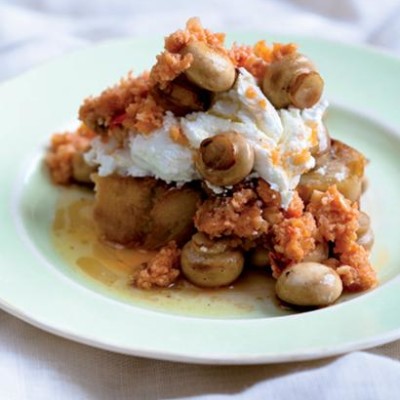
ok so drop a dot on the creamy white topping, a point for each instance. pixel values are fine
(146, 155)
(281, 140)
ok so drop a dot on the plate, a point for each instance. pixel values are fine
(36, 286)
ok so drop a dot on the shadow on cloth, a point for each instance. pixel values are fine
(46, 361)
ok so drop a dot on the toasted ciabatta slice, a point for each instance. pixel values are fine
(143, 212)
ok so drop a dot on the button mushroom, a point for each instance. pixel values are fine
(182, 97)
(259, 257)
(319, 254)
(210, 69)
(364, 184)
(342, 166)
(225, 159)
(292, 80)
(208, 263)
(364, 224)
(309, 284)
(365, 235)
(366, 239)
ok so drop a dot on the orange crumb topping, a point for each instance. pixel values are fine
(63, 147)
(132, 104)
(250, 93)
(194, 32)
(263, 103)
(135, 103)
(129, 105)
(270, 197)
(240, 54)
(239, 215)
(301, 158)
(244, 57)
(295, 237)
(170, 63)
(168, 67)
(337, 220)
(144, 116)
(177, 135)
(162, 270)
(296, 206)
(257, 58)
(275, 157)
(262, 50)
(280, 50)
(314, 132)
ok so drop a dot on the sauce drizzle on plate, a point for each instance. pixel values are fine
(111, 268)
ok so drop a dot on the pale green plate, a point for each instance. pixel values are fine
(35, 284)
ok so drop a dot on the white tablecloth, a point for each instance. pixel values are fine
(37, 365)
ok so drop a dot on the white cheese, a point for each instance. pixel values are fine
(281, 139)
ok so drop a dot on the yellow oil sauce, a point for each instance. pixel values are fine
(109, 270)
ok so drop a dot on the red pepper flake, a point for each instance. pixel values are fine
(117, 120)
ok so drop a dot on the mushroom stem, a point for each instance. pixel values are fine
(225, 159)
(292, 80)
(218, 153)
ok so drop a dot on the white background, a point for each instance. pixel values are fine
(37, 365)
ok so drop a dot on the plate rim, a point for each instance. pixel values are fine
(231, 359)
